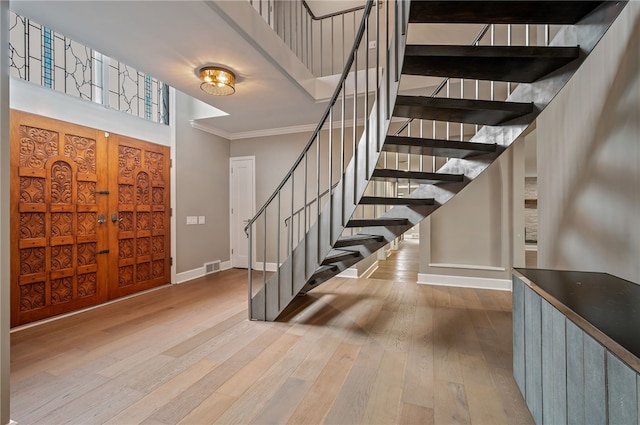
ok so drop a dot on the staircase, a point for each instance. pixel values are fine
(340, 201)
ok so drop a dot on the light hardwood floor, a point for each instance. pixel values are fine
(370, 351)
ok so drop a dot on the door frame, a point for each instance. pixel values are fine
(233, 160)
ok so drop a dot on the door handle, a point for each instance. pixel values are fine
(115, 219)
(101, 219)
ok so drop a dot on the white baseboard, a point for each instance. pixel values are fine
(464, 282)
(372, 268)
(350, 273)
(189, 275)
(260, 266)
(225, 265)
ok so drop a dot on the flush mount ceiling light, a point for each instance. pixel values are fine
(217, 80)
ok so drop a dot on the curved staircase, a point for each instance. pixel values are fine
(507, 85)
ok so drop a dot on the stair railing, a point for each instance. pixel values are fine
(320, 42)
(356, 111)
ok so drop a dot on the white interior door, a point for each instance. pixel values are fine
(243, 207)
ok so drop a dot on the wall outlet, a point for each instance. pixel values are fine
(372, 44)
(200, 219)
(192, 219)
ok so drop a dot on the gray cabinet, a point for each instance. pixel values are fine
(564, 374)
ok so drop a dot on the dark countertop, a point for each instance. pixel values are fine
(609, 303)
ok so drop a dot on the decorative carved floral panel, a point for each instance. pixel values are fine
(157, 196)
(125, 276)
(157, 244)
(36, 146)
(142, 189)
(126, 223)
(32, 190)
(82, 151)
(61, 257)
(143, 272)
(143, 221)
(158, 268)
(61, 290)
(61, 183)
(32, 260)
(87, 223)
(61, 224)
(32, 296)
(32, 225)
(125, 194)
(126, 248)
(87, 284)
(155, 165)
(144, 246)
(129, 160)
(86, 193)
(86, 254)
(158, 221)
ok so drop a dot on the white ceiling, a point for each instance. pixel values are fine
(171, 40)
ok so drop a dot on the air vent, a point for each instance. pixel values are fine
(212, 267)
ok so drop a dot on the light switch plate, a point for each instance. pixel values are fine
(200, 219)
(192, 219)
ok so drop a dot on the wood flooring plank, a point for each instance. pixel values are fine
(451, 403)
(412, 414)
(147, 405)
(313, 408)
(207, 411)
(384, 404)
(419, 374)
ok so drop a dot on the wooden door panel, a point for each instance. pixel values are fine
(55, 236)
(141, 247)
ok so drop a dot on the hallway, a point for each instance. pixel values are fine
(402, 264)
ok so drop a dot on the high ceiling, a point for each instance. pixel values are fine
(171, 40)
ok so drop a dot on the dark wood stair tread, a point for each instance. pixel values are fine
(500, 12)
(416, 176)
(485, 112)
(436, 147)
(371, 222)
(523, 64)
(323, 271)
(338, 256)
(382, 200)
(357, 240)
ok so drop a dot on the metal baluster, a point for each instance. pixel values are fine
(278, 250)
(343, 41)
(332, 46)
(461, 97)
(508, 44)
(342, 136)
(330, 174)
(378, 124)
(305, 214)
(492, 43)
(433, 157)
(291, 225)
(250, 269)
(547, 34)
(318, 187)
(387, 59)
(264, 264)
(354, 148)
(366, 96)
(527, 34)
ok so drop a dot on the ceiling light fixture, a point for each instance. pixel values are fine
(217, 81)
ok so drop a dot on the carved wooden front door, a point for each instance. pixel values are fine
(140, 257)
(89, 217)
(57, 175)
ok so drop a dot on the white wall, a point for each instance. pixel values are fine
(589, 160)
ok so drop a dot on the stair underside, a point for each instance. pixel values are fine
(485, 112)
(500, 12)
(498, 63)
(436, 147)
(416, 176)
(381, 200)
(373, 222)
(338, 256)
(357, 240)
